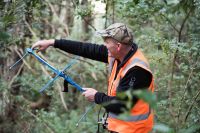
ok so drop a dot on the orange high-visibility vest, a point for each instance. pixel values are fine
(141, 118)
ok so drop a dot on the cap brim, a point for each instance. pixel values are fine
(103, 33)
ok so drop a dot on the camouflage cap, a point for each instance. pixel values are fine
(119, 32)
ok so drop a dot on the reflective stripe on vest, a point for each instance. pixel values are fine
(136, 60)
(111, 63)
(132, 118)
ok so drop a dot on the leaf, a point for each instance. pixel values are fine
(147, 96)
(172, 2)
(4, 36)
(8, 19)
(162, 128)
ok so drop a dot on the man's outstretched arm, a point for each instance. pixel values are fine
(87, 50)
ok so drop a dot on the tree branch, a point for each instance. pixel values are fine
(170, 22)
(30, 29)
(14, 77)
(28, 66)
(89, 24)
(190, 108)
(61, 96)
(185, 88)
(183, 24)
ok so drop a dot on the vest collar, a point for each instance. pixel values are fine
(128, 56)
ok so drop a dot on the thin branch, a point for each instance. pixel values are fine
(89, 24)
(61, 96)
(14, 77)
(29, 67)
(169, 87)
(30, 29)
(190, 108)
(170, 22)
(184, 92)
(45, 71)
(185, 88)
(183, 24)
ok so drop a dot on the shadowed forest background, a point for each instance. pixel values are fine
(168, 31)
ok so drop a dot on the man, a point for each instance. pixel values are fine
(129, 69)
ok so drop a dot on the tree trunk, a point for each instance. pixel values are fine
(86, 22)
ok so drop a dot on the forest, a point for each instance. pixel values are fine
(167, 31)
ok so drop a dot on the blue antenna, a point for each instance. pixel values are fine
(56, 71)
(19, 60)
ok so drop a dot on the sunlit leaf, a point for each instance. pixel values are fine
(147, 96)
(162, 128)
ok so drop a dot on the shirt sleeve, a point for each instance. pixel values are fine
(87, 50)
(136, 78)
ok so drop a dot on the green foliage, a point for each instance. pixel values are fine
(147, 96)
(83, 11)
(4, 36)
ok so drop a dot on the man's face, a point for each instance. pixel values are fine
(112, 47)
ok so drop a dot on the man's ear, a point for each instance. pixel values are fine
(119, 45)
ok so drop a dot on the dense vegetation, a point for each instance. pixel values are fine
(168, 31)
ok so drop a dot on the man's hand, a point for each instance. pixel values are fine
(89, 93)
(43, 44)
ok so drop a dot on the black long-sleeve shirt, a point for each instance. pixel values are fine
(135, 78)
